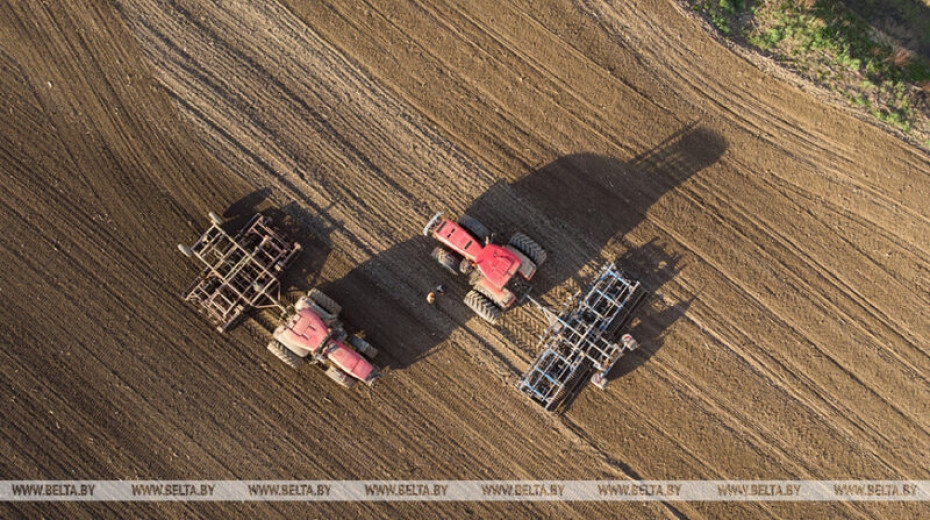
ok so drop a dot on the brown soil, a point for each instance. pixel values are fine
(787, 245)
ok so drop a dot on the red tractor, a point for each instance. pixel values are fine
(314, 332)
(468, 248)
(243, 272)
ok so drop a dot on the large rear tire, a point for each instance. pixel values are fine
(483, 306)
(285, 354)
(363, 347)
(328, 304)
(446, 259)
(529, 247)
(344, 380)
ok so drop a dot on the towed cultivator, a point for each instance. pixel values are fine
(583, 338)
(242, 272)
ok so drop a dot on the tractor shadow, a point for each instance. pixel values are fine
(404, 329)
(596, 198)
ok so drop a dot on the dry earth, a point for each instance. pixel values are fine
(787, 246)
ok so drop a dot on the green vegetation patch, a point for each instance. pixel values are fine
(874, 57)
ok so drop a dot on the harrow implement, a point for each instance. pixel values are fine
(583, 338)
(241, 271)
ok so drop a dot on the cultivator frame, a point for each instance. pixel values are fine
(240, 272)
(582, 338)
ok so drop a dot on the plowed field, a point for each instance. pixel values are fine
(786, 244)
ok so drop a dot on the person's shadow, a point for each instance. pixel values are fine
(593, 197)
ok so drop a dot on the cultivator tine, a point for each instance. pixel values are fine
(550, 316)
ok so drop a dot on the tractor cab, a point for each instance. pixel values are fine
(467, 248)
(304, 332)
(308, 335)
(498, 264)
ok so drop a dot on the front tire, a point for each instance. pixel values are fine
(483, 307)
(341, 378)
(446, 259)
(363, 347)
(328, 304)
(475, 227)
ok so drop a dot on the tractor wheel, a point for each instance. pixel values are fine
(529, 247)
(216, 219)
(446, 259)
(483, 306)
(363, 347)
(186, 251)
(344, 380)
(474, 227)
(285, 354)
(320, 298)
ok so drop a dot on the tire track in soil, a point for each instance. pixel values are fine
(307, 180)
(78, 269)
(872, 178)
(395, 78)
(377, 161)
(919, 321)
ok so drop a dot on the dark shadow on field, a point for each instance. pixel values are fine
(312, 231)
(654, 267)
(241, 210)
(595, 197)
